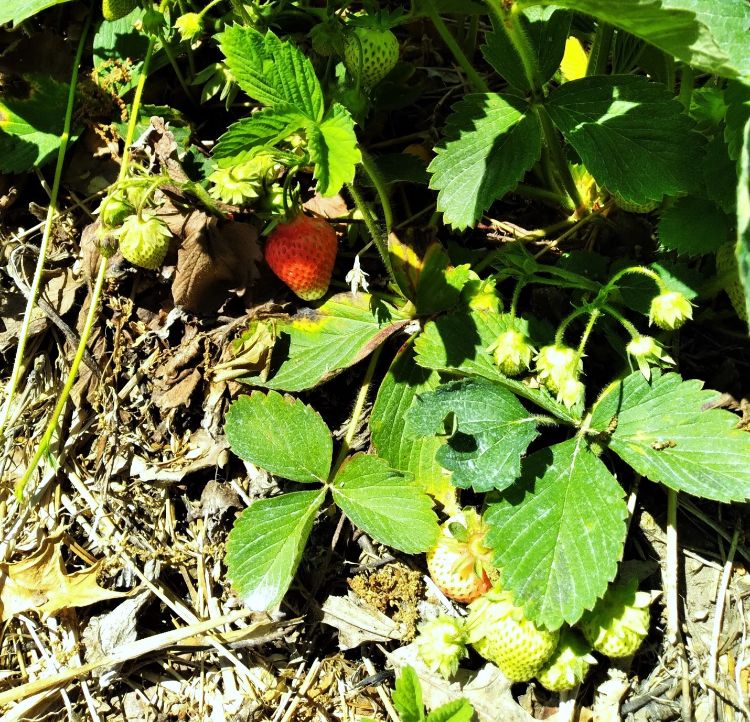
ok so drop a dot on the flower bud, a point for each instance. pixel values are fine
(441, 644)
(670, 310)
(647, 351)
(556, 364)
(512, 352)
(189, 25)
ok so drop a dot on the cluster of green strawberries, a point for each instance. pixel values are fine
(496, 628)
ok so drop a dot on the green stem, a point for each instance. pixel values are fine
(636, 270)
(514, 299)
(629, 327)
(600, 49)
(72, 376)
(23, 335)
(563, 327)
(380, 243)
(239, 8)
(359, 406)
(586, 333)
(475, 79)
(173, 62)
(377, 180)
(208, 7)
(687, 83)
(541, 194)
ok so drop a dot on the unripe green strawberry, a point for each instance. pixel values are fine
(670, 310)
(618, 624)
(116, 9)
(512, 352)
(302, 253)
(502, 634)
(726, 262)
(568, 665)
(459, 560)
(144, 240)
(379, 53)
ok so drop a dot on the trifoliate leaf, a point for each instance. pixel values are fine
(693, 227)
(667, 431)
(333, 149)
(272, 71)
(558, 533)
(631, 135)
(265, 546)
(546, 28)
(386, 504)
(492, 431)
(491, 141)
(280, 434)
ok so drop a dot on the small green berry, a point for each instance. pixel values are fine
(189, 25)
(116, 9)
(144, 240)
(556, 365)
(647, 351)
(568, 665)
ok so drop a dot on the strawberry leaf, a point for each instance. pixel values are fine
(386, 504)
(280, 434)
(458, 342)
(267, 127)
(396, 395)
(491, 141)
(693, 227)
(546, 28)
(558, 533)
(333, 149)
(272, 71)
(459, 710)
(439, 284)
(631, 135)
(315, 345)
(407, 697)
(16, 11)
(709, 34)
(265, 546)
(31, 123)
(667, 431)
(491, 431)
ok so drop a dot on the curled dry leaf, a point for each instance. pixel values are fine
(42, 584)
(214, 258)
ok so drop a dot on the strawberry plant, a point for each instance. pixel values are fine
(566, 223)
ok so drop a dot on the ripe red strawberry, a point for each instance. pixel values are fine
(459, 560)
(302, 253)
(379, 53)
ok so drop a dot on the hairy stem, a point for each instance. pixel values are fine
(600, 49)
(377, 180)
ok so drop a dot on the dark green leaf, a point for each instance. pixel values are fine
(491, 141)
(16, 11)
(547, 29)
(492, 431)
(667, 431)
(693, 227)
(439, 284)
(384, 503)
(280, 434)
(558, 534)
(709, 34)
(631, 135)
(266, 544)
(737, 97)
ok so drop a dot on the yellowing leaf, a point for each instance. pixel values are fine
(41, 583)
(575, 60)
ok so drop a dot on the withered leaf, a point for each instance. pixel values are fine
(42, 584)
(215, 257)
